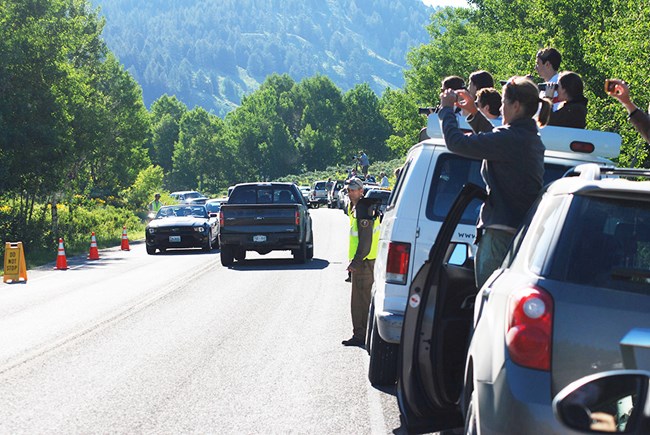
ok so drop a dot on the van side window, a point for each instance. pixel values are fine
(400, 182)
(451, 174)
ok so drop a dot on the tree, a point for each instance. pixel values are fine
(365, 128)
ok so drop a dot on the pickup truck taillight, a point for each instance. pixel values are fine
(529, 328)
(397, 264)
(221, 219)
(297, 217)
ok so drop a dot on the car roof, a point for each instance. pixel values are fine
(560, 142)
(591, 179)
(266, 184)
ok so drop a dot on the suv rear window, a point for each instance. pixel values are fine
(605, 243)
(262, 195)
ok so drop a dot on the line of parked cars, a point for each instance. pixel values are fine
(575, 280)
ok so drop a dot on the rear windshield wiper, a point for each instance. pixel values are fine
(631, 274)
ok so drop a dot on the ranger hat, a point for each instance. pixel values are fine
(355, 184)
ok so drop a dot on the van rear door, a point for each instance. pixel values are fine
(444, 182)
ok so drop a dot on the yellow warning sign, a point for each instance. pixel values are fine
(15, 266)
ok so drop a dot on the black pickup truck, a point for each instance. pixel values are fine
(265, 217)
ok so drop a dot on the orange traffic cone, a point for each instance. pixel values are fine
(94, 253)
(125, 240)
(61, 261)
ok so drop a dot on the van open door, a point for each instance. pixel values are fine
(437, 328)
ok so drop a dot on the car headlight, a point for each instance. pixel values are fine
(199, 229)
(151, 230)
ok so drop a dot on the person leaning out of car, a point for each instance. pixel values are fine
(572, 111)
(639, 119)
(364, 238)
(512, 167)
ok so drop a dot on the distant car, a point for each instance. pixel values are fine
(333, 193)
(182, 226)
(340, 197)
(574, 283)
(318, 194)
(185, 196)
(305, 190)
(214, 205)
(196, 201)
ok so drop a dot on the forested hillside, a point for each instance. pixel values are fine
(211, 53)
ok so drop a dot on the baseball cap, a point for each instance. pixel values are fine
(355, 184)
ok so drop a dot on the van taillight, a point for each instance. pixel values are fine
(221, 220)
(529, 328)
(397, 264)
(582, 147)
(297, 217)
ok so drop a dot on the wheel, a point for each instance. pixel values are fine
(310, 252)
(382, 369)
(470, 417)
(151, 250)
(240, 254)
(227, 256)
(300, 254)
(208, 245)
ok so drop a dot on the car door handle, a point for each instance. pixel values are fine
(486, 294)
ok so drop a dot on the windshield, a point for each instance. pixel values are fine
(263, 195)
(180, 211)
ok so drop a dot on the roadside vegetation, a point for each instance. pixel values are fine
(80, 152)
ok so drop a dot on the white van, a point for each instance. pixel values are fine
(428, 183)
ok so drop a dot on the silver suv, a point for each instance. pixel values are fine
(575, 281)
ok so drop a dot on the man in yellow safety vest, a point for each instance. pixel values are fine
(364, 238)
(155, 205)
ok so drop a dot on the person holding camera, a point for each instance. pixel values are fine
(547, 65)
(364, 162)
(364, 240)
(573, 104)
(512, 167)
(639, 119)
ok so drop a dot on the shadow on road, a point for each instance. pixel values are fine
(279, 264)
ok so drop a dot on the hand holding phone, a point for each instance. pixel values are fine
(610, 86)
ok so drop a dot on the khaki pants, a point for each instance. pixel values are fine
(491, 251)
(362, 280)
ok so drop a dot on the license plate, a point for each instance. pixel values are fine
(174, 239)
(259, 238)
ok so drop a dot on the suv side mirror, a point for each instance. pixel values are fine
(614, 401)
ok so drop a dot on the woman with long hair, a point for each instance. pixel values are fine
(572, 111)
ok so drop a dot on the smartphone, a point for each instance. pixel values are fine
(428, 110)
(610, 86)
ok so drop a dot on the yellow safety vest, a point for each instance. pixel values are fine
(155, 206)
(354, 237)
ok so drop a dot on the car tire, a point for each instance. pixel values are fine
(382, 369)
(208, 245)
(227, 256)
(310, 252)
(470, 417)
(151, 250)
(300, 254)
(240, 254)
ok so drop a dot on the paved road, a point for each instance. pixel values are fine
(176, 343)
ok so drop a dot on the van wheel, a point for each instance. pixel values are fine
(382, 369)
(310, 252)
(227, 256)
(470, 417)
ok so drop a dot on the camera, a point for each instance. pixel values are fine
(428, 110)
(610, 86)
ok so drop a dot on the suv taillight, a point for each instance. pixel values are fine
(529, 328)
(221, 219)
(397, 264)
(297, 217)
